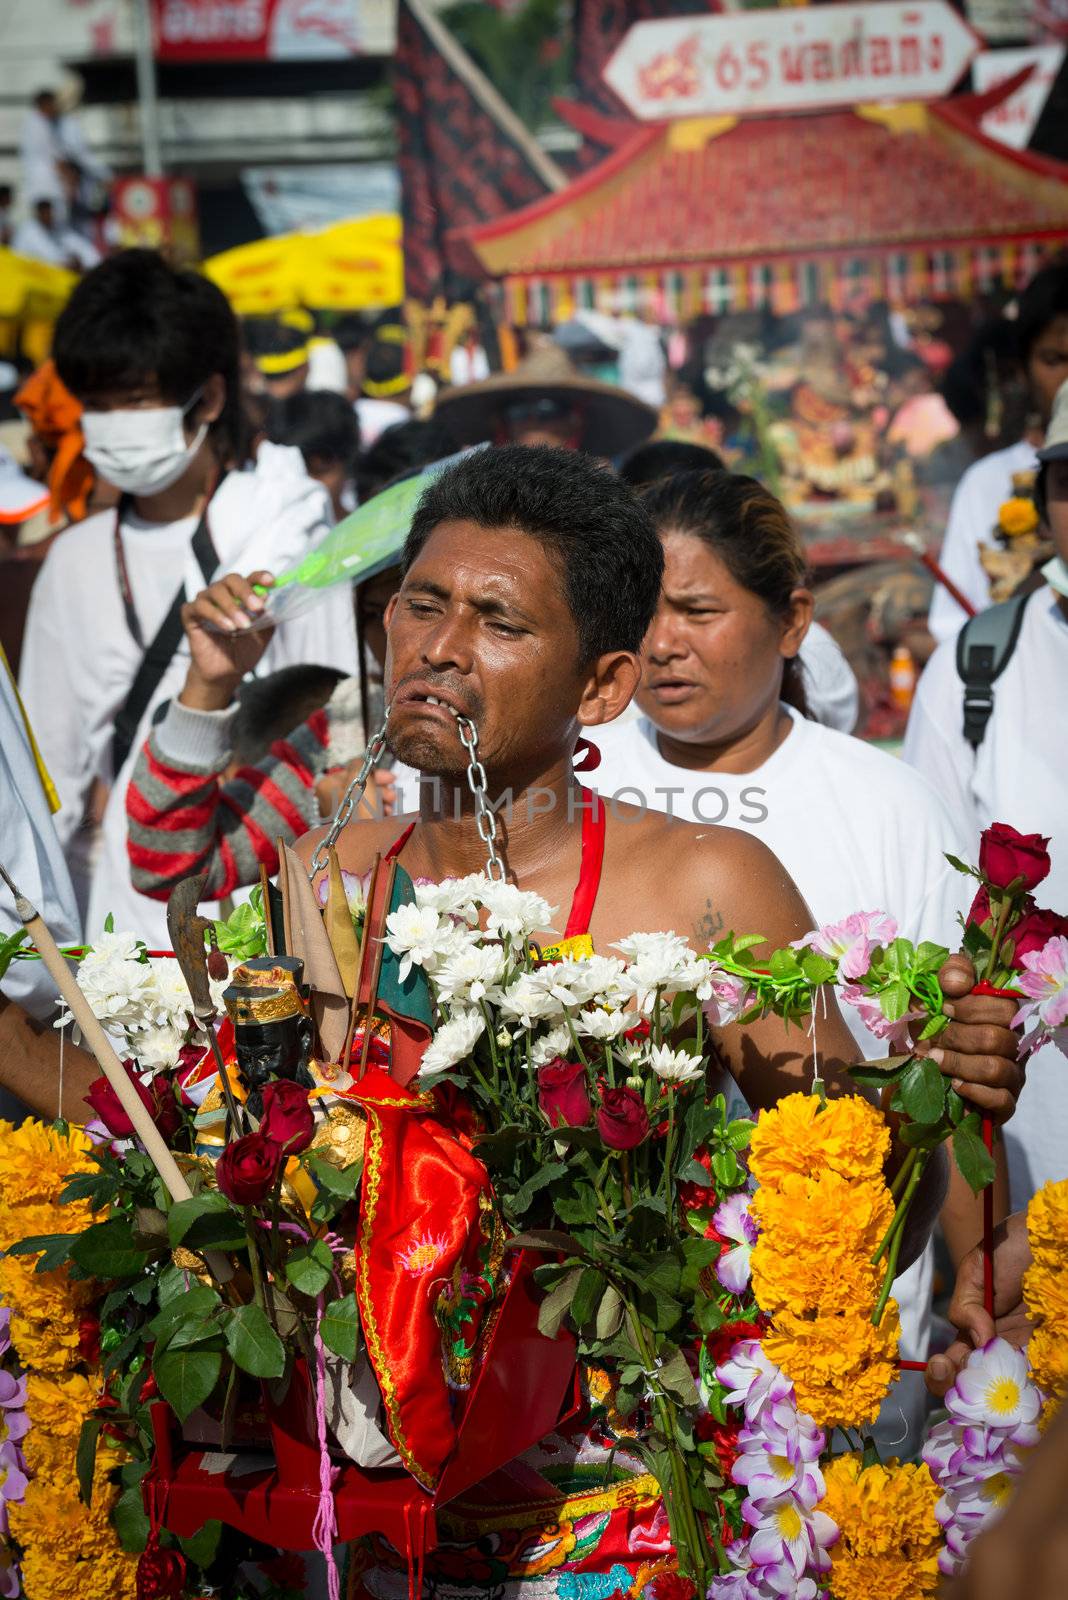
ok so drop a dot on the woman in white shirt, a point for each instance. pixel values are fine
(1042, 343)
(724, 738)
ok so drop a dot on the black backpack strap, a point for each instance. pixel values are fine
(160, 653)
(984, 649)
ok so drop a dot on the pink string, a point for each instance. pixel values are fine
(324, 1528)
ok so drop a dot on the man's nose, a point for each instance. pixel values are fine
(449, 645)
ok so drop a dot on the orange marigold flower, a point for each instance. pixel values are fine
(888, 1536)
(840, 1365)
(1018, 516)
(848, 1137)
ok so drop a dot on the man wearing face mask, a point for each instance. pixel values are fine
(152, 354)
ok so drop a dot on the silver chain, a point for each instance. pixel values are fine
(477, 782)
(485, 821)
(350, 799)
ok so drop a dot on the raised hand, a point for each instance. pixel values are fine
(975, 1325)
(978, 1049)
(223, 645)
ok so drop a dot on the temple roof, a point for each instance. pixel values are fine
(720, 191)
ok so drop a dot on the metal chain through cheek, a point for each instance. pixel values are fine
(485, 821)
(350, 800)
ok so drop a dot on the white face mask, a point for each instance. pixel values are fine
(1055, 573)
(141, 452)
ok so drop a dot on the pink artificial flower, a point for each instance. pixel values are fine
(751, 1380)
(851, 943)
(5, 1330)
(733, 1221)
(871, 1014)
(993, 1389)
(788, 1540)
(13, 1480)
(14, 1423)
(730, 999)
(1045, 981)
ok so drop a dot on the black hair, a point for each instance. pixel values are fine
(385, 360)
(663, 458)
(399, 451)
(750, 531)
(267, 336)
(44, 97)
(7, 194)
(322, 425)
(352, 332)
(1042, 302)
(594, 525)
(135, 320)
(272, 706)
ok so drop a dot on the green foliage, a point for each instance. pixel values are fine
(253, 1344)
(340, 1327)
(244, 933)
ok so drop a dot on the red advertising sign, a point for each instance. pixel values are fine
(795, 60)
(255, 30)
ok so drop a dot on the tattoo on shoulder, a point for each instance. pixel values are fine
(710, 925)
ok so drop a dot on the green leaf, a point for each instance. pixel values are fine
(544, 1175)
(961, 866)
(555, 1306)
(253, 1343)
(9, 945)
(675, 1376)
(107, 1250)
(974, 1161)
(206, 1222)
(707, 1315)
(725, 1168)
(341, 1182)
(54, 1249)
(894, 1001)
(784, 964)
(340, 1327)
(201, 1546)
(85, 1456)
(816, 968)
(199, 1302)
(740, 1132)
(186, 1377)
(923, 1091)
(875, 1072)
(609, 1313)
(746, 942)
(587, 1296)
(934, 1025)
(930, 957)
(694, 1172)
(129, 1520)
(307, 1274)
(99, 1188)
(698, 1254)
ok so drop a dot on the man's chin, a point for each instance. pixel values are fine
(437, 754)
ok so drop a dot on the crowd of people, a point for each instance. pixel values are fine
(160, 730)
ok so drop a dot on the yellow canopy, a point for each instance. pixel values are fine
(32, 289)
(347, 267)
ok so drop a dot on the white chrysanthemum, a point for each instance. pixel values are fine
(168, 993)
(114, 947)
(597, 1023)
(157, 1048)
(470, 972)
(118, 990)
(556, 1042)
(528, 1000)
(675, 1066)
(669, 948)
(453, 1041)
(455, 897)
(515, 913)
(661, 961)
(589, 978)
(418, 935)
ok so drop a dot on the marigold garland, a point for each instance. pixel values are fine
(888, 1537)
(823, 1206)
(1046, 1290)
(70, 1551)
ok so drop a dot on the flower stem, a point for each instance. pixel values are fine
(254, 1260)
(898, 1225)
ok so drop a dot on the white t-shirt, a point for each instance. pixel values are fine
(375, 416)
(855, 829)
(1019, 775)
(830, 683)
(79, 658)
(978, 498)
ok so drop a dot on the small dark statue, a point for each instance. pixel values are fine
(272, 1031)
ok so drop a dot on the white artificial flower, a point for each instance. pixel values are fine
(528, 1000)
(470, 973)
(418, 935)
(157, 1048)
(655, 961)
(669, 947)
(117, 989)
(168, 992)
(115, 947)
(452, 1042)
(585, 979)
(454, 897)
(556, 1042)
(675, 1066)
(598, 1023)
(515, 913)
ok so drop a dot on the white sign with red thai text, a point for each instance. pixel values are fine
(750, 63)
(276, 30)
(1013, 121)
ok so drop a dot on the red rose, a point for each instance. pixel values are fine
(980, 908)
(157, 1097)
(1005, 855)
(724, 1435)
(562, 1094)
(1033, 931)
(89, 1339)
(246, 1170)
(622, 1120)
(288, 1120)
(160, 1575)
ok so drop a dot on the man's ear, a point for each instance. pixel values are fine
(212, 401)
(797, 622)
(609, 688)
(391, 606)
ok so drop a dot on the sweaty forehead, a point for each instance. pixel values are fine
(479, 565)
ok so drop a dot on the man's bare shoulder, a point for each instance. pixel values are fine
(358, 843)
(706, 879)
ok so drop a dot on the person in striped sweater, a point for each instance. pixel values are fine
(233, 766)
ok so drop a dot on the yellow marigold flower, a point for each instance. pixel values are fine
(848, 1137)
(70, 1551)
(1017, 516)
(835, 1280)
(56, 1410)
(840, 1365)
(36, 1161)
(1047, 1226)
(889, 1539)
(827, 1217)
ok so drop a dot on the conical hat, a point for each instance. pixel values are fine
(613, 420)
